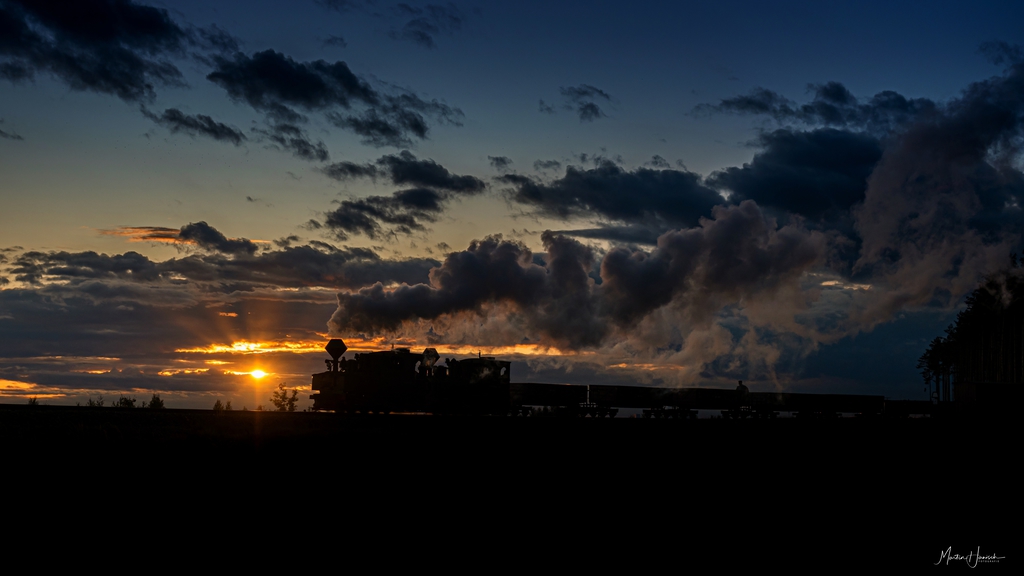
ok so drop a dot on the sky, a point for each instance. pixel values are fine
(797, 195)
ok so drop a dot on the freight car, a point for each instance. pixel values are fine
(401, 381)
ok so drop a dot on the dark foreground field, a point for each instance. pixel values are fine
(921, 448)
(837, 490)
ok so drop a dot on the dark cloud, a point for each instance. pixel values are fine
(404, 212)
(346, 170)
(405, 169)
(231, 264)
(196, 125)
(422, 25)
(500, 162)
(295, 140)
(9, 135)
(396, 120)
(627, 234)
(215, 39)
(287, 241)
(1002, 53)
(341, 5)
(545, 108)
(114, 47)
(833, 105)
(657, 161)
(285, 90)
(540, 165)
(806, 173)
(336, 41)
(274, 83)
(583, 100)
(668, 198)
(208, 237)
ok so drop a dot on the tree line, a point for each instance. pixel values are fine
(986, 342)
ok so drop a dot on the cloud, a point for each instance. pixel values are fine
(833, 105)
(336, 41)
(737, 256)
(114, 47)
(295, 140)
(342, 5)
(583, 99)
(274, 83)
(230, 267)
(806, 173)
(1002, 53)
(281, 87)
(198, 234)
(405, 169)
(545, 108)
(668, 198)
(196, 125)
(208, 237)
(541, 165)
(9, 135)
(405, 211)
(501, 163)
(942, 208)
(423, 25)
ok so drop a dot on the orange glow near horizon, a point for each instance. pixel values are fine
(375, 345)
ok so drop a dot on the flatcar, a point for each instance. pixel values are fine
(402, 381)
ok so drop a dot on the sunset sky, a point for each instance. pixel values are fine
(795, 194)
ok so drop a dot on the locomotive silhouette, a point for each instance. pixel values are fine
(402, 381)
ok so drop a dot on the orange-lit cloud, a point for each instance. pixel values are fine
(155, 234)
(376, 345)
(183, 371)
(145, 234)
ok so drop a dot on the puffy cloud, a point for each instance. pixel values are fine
(735, 258)
(943, 206)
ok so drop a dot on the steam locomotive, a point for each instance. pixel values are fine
(401, 381)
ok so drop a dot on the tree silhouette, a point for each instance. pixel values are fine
(155, 403)
(124, 402)
(282, 401)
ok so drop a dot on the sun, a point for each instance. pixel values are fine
(257, 374)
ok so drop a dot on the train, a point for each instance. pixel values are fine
(400, 381)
